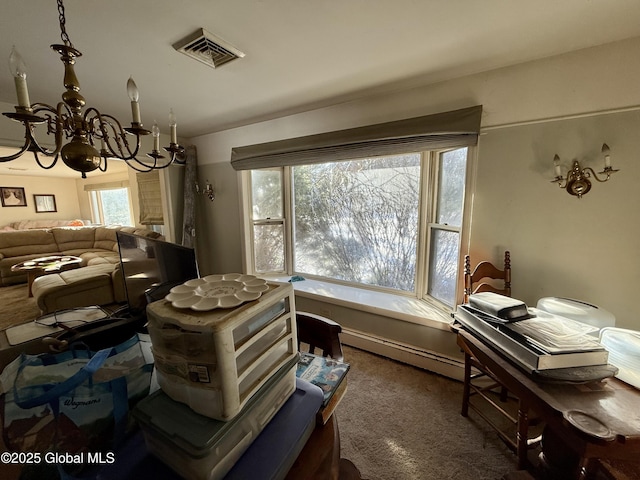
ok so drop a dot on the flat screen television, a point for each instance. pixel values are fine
(151, 267)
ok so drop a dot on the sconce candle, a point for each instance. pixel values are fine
(607, 157)
(577, 180)
(209, 192)
(556, 162)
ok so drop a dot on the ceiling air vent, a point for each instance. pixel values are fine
(207, 48)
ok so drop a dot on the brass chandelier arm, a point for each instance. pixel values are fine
(55, 119)
(177, 157)
(24, 148)
(109, 130)
(41, 165)
(30, 118)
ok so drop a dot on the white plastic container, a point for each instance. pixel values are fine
(201, 448)
(624, 352)
(578, 310)
(215, 361)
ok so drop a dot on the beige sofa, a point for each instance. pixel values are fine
(93, 285)
(96, 282)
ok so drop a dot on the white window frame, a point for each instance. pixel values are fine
(428, 196)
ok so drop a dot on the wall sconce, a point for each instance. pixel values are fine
(208, 191)
(577, 180)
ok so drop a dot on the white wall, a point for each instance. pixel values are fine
(561, 246)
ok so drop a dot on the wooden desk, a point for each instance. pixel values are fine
(592, 421)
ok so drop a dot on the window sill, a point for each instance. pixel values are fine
(380, 303)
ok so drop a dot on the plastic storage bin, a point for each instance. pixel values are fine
(624, 352)
(215, 361)
(270, 456)
(198, 447)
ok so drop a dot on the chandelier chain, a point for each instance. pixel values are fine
(63, 31)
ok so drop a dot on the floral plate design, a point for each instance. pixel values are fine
(217, 291)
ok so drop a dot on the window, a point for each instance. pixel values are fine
(110, 206)
(392, 222)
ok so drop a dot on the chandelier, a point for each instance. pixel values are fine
(577, 182)
(78, 131)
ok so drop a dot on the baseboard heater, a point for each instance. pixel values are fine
(409, 354)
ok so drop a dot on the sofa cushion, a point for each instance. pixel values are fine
(27, 242)
(74, 288)
(99, 257)
(105, 238)
(143, 232)
(74, 238)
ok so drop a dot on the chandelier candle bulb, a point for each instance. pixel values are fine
(19, 72)
(173, 124)
(155, 131)
(134, 96)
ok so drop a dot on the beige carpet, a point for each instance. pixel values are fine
(398, 422)
(16, 307)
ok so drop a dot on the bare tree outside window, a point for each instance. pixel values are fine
(357, 221)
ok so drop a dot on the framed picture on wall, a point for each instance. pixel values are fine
(13, 197)
(45, 203)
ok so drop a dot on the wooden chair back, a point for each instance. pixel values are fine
(473, 280)
(320, 333)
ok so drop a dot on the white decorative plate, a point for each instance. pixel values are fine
(217, 291)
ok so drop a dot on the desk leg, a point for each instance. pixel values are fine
(466, 387)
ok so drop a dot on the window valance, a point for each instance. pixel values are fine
(456, 128)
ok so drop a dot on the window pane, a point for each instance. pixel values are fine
(443, 268)
(451, 187)
(266, 192)
(115, 207)
(358, 220)
(269, 248)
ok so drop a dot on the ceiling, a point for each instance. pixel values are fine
(299, 55)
